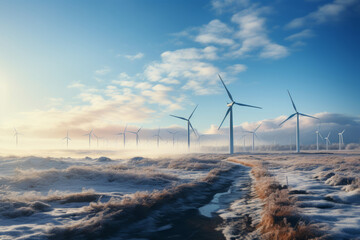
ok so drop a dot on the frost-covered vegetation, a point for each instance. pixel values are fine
(326, 187)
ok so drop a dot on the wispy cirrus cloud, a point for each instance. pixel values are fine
(306, 33)
(325, 13)
(135, 56)
(103, 71)
(228, 5)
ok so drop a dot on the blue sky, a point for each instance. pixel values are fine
(102, 64)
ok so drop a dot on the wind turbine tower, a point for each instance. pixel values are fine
(253, 136)
(173, 136)
(16, 135)
(297, 114)
(124, 135)
(188, 124)
(158, 137)
(341, 139)
(137, 135)
(230, 106)
(318, 134)
(97, 139)
(89, 134)
(327, 141)
(67, 139)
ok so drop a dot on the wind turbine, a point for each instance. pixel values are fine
(137, 135)
(89, 134)
(16, 134)
(230, 106)
(317, 139)
(297, 114)
(243, 137)
(253, 136)
(97, 139)
(327, 141)
(67, 139)
(173, 136)
(188, 124)
(158, 137)
(341, 139)
(124, 134)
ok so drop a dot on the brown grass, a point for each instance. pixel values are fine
(280, 219)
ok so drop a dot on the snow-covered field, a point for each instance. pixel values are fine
(103, 198)
(327, 188)
(197, 196)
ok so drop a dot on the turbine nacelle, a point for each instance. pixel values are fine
(230, 104)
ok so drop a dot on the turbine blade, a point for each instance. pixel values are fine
(178, 117)
(287, 119)
(192, 129)
(292, 101)
(139, 130)
(246, 105)
(193, 112)
(321, 136)
(229, 94)
(307, 116)
(257, 127)
(227, 112)
(343, 131)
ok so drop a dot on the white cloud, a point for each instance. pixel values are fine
(76, 85)
(103, 71)
(237, 68)
(253, 34)
(143, 85)
(273, 50)
(135, 57)
(228, 5)
(306, 33)
(124, 80)
(325, 13)
(215, 32)
(188, 66)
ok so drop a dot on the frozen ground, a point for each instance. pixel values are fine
(327, 187)
(197, 196)
(103, 198)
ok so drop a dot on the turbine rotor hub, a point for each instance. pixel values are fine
(230, 104)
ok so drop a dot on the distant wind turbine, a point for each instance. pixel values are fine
(89, 134)
(157, 137)
(97, 139)
(243, 137)
(327, 141)
(188, 124)
(137, 135)
(318, 134)
(253, 136)
(297, 114)
(67, 139)
(341, 139)
(230, 106)
(16, 134)
(124, 135)
(173, 136)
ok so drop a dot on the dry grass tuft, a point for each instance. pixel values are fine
(280, 219)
